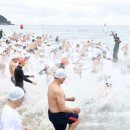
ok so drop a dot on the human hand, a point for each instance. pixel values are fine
(31, 76)
(34, 83)
(77, 110)
(71, 99)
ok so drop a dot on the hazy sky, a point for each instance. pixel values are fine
(67, 12)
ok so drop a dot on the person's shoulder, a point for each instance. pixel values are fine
(59, 91)
(12, 64)
(55, 88)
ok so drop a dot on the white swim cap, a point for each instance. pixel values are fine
(60, 73)
(15, 93)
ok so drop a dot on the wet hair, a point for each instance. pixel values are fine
(33, 40)
(60, 48)
(108, 85)
(77, 45)
(24, 47)
(61, 65)
(27, 57)
(55, 78)
(57, 39)
(7, 41)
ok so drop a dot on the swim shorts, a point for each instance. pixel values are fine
(61, 119)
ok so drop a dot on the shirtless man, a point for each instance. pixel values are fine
(78, 68)
(12, 66)
(2, 65)
(96, 57)
(59, 114)
(125, 49)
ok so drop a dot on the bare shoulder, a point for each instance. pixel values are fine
(55, 89)
(12, 64)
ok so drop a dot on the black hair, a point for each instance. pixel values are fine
(62, 66)
(108, 85)
(55, 78)
(33, 40)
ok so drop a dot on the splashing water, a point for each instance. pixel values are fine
(111, 112)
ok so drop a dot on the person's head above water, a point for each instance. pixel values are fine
(15, 93)
(21, 60)
(60, 73)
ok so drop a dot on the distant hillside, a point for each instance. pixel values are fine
(4, 21)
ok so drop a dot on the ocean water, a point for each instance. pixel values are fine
(107, 113)
(75, 33)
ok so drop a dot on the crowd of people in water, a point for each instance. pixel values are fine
(17, 49)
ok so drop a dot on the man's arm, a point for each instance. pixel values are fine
(61, 103)
(70, 99)
(29, 76)
(112, 34)
(25, 77)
